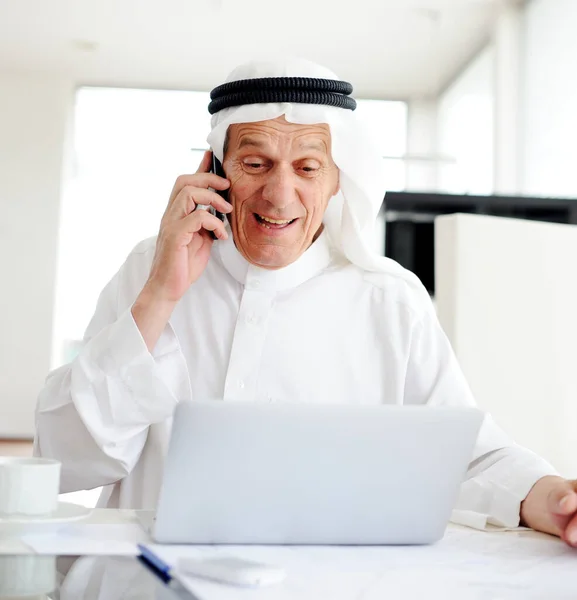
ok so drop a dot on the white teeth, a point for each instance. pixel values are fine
(275, 221)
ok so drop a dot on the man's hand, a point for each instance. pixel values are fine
(551, 506)
(182, 248)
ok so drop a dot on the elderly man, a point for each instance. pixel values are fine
(287, 305)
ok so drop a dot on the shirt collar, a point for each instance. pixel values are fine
(312, 262)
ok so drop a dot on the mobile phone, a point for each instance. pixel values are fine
(218, 170)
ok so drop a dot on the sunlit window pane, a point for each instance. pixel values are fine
(387, 124)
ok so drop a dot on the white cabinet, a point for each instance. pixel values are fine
(506, 294)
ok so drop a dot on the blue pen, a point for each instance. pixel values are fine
(163, 571)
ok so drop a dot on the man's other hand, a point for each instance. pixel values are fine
(551, 506)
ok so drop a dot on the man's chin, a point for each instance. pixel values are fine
(273, 259)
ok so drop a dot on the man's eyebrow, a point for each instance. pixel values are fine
(313, 145)
(260, 144)
(250, 141)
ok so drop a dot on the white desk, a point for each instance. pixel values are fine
(466, 564)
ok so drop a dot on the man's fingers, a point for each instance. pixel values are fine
(562, 507)
(189, 197)
(205, 163)
(562, 499)
(570, 533)
(202, 219)
(203, 180)
(568, 504)
(199, 180)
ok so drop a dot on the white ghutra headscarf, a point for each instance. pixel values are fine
(351, 215)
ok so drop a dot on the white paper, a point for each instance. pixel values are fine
(91, 539)
(466, 564)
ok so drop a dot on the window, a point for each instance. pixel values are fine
(387, 124)
(129, 147)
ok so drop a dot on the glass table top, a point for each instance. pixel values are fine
(32, 577)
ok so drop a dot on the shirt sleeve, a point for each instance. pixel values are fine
(501, 473)
(93, 414)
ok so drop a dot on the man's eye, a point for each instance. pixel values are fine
(253, 165)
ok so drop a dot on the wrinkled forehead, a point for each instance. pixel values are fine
(278, 132)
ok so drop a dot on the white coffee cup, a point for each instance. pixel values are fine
(27, 576)
(28, 486)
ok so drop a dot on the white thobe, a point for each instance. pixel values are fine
(319, 330)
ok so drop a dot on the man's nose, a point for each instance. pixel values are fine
(280, 188)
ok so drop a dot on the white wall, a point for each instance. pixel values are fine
(34, 112)
(465, 128)
(550, 98)
(508, 307)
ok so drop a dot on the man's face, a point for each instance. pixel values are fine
(282, 177)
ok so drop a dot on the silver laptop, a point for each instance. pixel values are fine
(249, 473)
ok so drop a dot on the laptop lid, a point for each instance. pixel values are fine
(249, 473)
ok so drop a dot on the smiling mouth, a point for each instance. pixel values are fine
(273, 223)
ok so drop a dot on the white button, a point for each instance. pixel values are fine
(240, 384)
(251, 319)
(255, 283)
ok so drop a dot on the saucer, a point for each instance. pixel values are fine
(65, 512)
